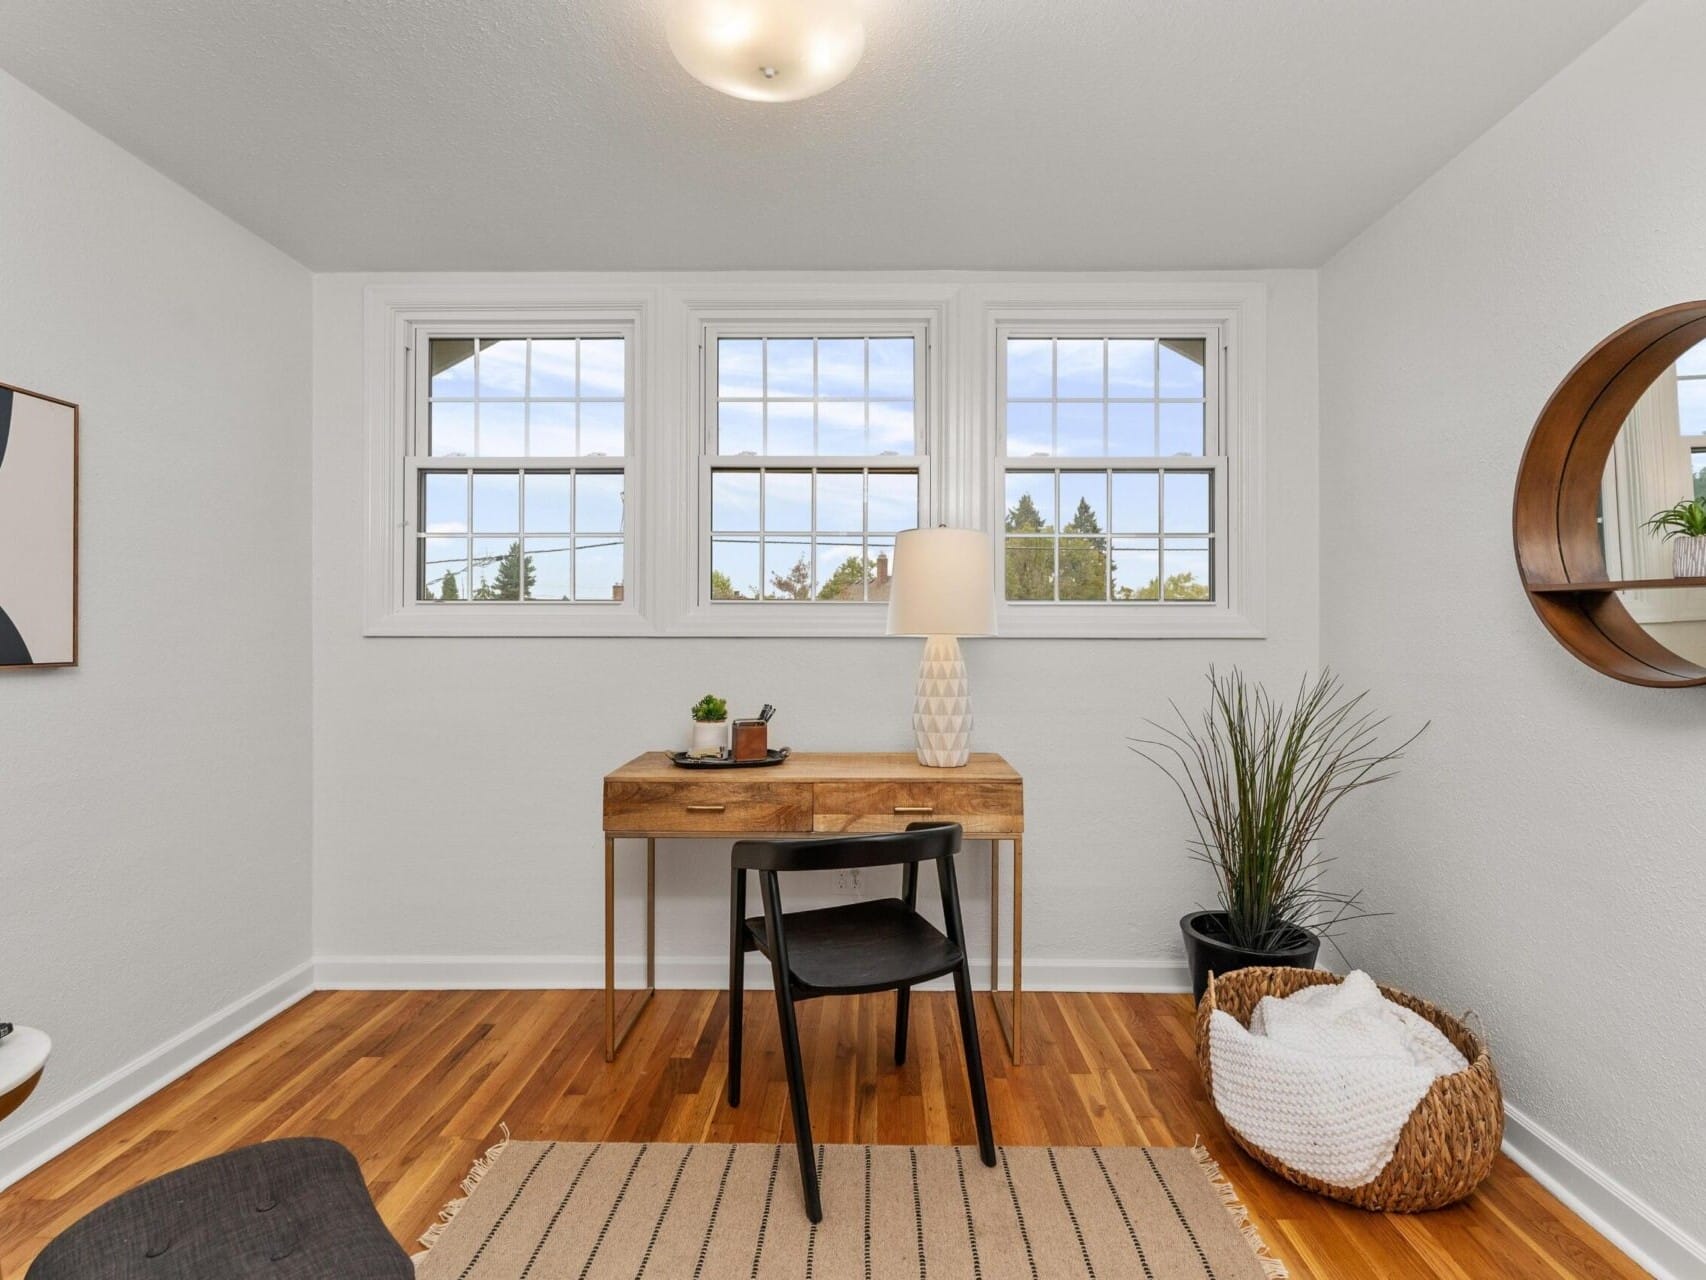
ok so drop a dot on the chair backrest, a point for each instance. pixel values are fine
(920, 842)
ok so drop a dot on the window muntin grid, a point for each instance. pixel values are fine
(824, 396)
(795, 534)
(1095, 397)
(513, 397)
(529, 535)
(1140, 530)
(667, 592)
(1114, 536)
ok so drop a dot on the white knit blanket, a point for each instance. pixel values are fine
(1325, 1078)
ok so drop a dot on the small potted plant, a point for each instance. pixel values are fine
(1684, 527)
(710, 726)
(1260, 778)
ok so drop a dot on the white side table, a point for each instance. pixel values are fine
(22, 1056)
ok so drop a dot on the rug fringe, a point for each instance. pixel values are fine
(1272, 1267)
(476, 1175)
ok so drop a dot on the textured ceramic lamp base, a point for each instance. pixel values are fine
(941, 716)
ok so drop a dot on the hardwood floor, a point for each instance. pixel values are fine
(417, 1083)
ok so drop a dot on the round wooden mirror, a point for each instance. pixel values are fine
(1622, 439)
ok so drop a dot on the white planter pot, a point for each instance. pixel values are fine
(1688, 557)
(709, 735)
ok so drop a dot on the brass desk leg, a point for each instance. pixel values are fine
(615, 1032)
(995, 915)
(651, 913)
(1010, 1021)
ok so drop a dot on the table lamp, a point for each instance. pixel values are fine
(943, 589)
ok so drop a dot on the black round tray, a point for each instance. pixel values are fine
(681, 760)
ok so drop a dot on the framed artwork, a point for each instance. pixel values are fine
(38, 530)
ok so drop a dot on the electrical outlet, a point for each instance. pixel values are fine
(848, 881)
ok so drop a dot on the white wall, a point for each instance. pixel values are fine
(154, 802)
(1543, 848)
(157, 805)
(457, 781)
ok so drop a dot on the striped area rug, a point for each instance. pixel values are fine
(595, 1211)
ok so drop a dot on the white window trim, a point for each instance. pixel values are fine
(820, 310)
(960, 470)
(1232, 319)
(400, 320)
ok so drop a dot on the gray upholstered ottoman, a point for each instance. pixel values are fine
(296, 1209)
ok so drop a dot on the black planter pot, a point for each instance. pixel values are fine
(1207, 949)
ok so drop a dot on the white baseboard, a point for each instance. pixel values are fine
(691, 973)
(1634, 1226)
(36, 1141)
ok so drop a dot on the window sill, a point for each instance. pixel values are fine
(833, 622)
(498, 621)
(1125, 622)
(803, 620)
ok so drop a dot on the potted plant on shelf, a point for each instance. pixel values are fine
(1684, 527)
(710, 729)
(1260, 778)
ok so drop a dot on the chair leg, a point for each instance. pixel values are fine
(797, 1094)
(737, 979)
(974, 1064)
(776, 937)
(903, 997)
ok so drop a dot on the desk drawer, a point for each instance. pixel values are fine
(890, 806)
(709, 805)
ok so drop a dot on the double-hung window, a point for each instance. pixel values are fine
(516, 477)
(1112, 468)
(814, 456)
(521, 489)
(694, 455)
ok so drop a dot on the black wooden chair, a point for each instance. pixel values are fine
(883, 945)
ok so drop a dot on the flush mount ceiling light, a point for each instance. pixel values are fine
(767, 50)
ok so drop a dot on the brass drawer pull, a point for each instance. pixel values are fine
(915, 808)
(706, 808)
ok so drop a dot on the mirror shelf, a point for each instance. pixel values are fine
(1605, 586)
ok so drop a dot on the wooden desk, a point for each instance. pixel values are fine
(649, 798)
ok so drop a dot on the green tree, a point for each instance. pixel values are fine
(447, 589)
(1180, 586)
(796, 584)
(722, 588)
(507, 581)
(1030, 561)
(1025, 518)
(848, 581)
(1083, 559)
(1184, 586)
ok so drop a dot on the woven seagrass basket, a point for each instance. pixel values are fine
(1446, 1147)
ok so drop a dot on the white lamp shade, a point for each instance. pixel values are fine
(943, 584)
(767, 50)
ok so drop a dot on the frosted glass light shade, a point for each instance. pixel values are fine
(944, 584)
(767, 50)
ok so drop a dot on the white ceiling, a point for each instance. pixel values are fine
(463, 134)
